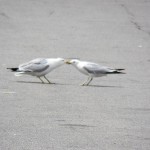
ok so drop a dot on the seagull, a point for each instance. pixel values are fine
(38, 67)
(92, 69)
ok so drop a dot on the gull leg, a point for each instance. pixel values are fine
(89, 81)
(48, 80)
(41, 80)
(85, 82)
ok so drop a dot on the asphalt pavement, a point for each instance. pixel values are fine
(113, 113)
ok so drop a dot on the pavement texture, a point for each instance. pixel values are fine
(113, 113)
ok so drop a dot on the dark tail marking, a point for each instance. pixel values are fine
(120, 69)
(116, 72)
(13, 69)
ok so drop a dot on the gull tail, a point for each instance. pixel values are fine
(18, 74)
(116, 72)
(17, 71)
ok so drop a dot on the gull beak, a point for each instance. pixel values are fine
(67, 62)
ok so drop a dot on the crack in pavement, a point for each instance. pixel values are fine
(133, 20)
(127, 10)
(4, 15)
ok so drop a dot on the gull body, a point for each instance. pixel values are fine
(92, 70)
(38, 67)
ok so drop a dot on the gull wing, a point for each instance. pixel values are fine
(97, 69)
(36, 65)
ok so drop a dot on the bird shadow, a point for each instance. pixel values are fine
(96, 86)
(31, 82)
(105, 86)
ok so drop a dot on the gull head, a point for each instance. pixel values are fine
(59, 61)
(72, 61)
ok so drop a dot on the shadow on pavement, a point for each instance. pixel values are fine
(106, 86)
(29, 82)
(98, 86)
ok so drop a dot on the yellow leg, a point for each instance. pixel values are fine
(47, 80)
(41, 80)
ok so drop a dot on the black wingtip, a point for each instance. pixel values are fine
(120, 69)
(116, 72)
(13, 69)
(122, 72)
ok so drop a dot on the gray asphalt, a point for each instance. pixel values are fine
(113, 113)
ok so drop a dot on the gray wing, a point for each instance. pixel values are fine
(97, 69)
(36, 65)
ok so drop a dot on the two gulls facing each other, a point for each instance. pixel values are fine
(40, 67)
(92, 70)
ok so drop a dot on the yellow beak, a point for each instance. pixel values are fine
(68, 62)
